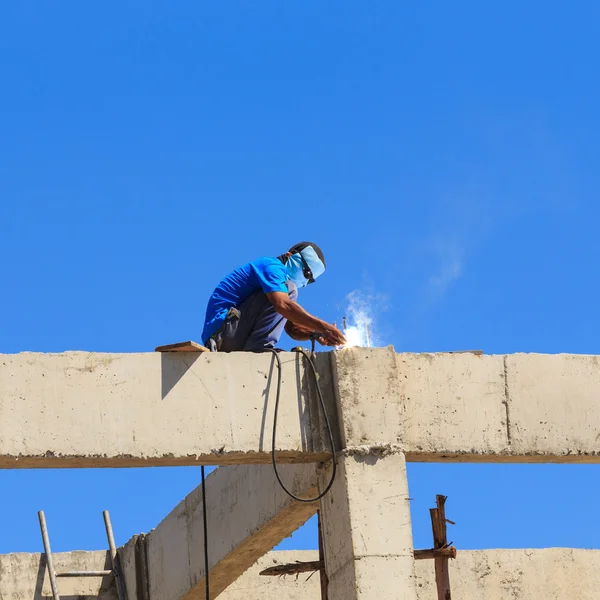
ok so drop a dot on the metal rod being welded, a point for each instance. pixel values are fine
(48, 551)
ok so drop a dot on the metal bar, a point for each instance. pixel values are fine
(322, 572)
(206, 565)
(48, 551)
(111, 538)
(84, 574)
(141, 568)
(113, 554)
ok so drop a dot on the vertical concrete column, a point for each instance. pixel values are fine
(367, 532)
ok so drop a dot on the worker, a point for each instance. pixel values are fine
(252, 306)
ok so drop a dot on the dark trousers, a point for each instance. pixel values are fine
(253, 326)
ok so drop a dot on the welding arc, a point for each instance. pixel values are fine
(327, 424)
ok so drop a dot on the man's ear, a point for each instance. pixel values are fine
(288, 254)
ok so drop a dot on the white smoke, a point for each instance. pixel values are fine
(361, 325)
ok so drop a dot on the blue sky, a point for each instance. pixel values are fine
(444, 155)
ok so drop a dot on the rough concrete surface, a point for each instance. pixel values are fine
(554, 405)
(248, 514)
(252, 586)
(366, 526)
(368, 396)
(87, 409)
(465, 407)
(24, 576)
(548, 574)
(453, 404)
(84, 409)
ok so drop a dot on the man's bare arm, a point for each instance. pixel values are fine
(293, 312)
(302, 334)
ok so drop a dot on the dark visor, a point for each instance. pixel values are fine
(306, 271)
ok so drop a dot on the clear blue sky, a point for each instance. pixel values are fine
(445, 156)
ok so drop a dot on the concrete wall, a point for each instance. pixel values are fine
(252, 586)
(86, 409)
(549, 574)
(25, 576)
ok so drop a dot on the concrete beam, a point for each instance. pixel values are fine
(466, 408)
(367, 535)
(108, 410)
(82, 409)
(248, 514)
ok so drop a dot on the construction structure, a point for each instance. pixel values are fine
(190, 408)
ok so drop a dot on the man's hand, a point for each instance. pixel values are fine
(332, 336)
(297, 332)
(303, 322)
(329, 336)
(303, 334)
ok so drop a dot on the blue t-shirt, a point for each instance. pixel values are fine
(268, 274)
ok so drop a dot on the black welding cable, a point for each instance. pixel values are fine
(205, 534)
(327, 424)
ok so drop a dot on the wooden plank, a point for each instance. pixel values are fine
(319, 565)
(438, 524)
(188, 346)
(294, 568)
(447, 552)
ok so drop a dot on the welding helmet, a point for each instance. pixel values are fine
(305, 264)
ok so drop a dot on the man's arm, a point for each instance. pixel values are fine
(297, 332)
(293, 312)
(302, 334)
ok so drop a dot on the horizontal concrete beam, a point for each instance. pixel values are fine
(25, 576)
(248, 514)
(467, 408)
(82, 409)
(108, 410)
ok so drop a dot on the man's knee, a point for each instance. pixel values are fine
(292, 290)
